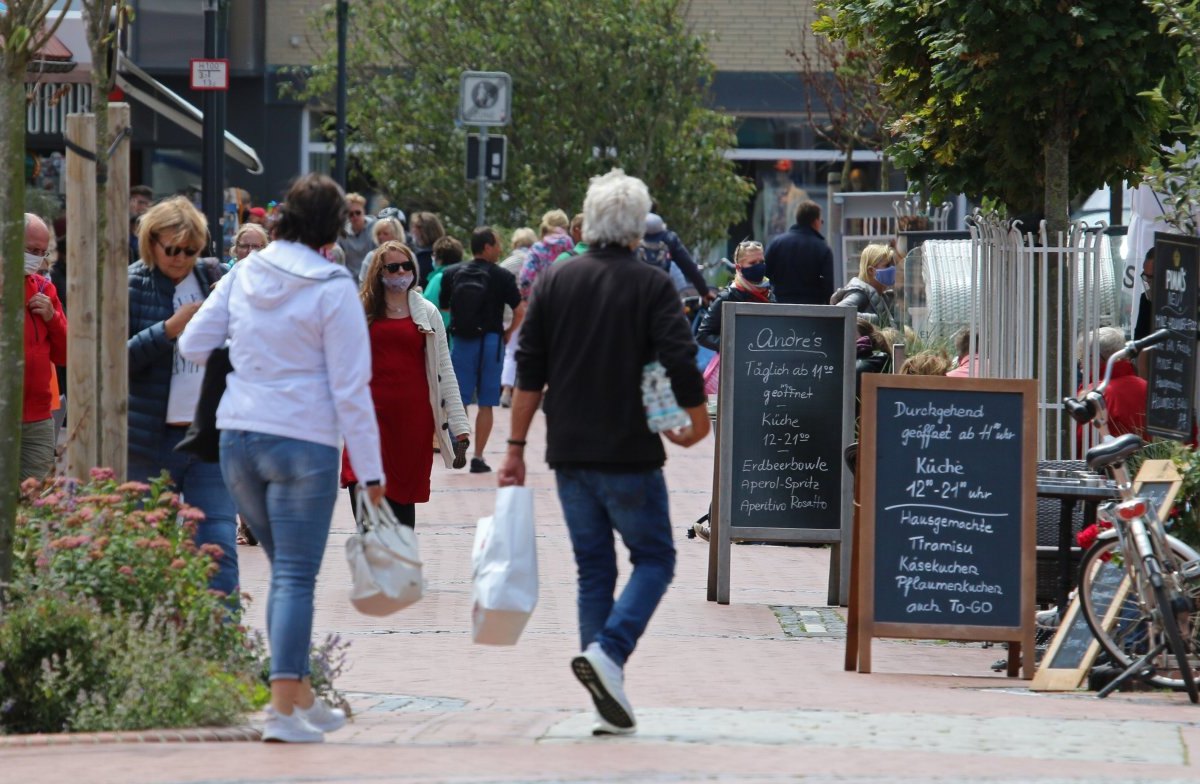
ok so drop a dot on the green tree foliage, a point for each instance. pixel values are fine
(1026, 101)
(1175, 175)
(595, 85)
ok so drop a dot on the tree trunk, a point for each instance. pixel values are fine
(1056, 206)
(12, 306)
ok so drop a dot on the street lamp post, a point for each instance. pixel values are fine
(339, 161)
(212, 183)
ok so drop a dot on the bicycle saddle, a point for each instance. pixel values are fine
(1113, 451)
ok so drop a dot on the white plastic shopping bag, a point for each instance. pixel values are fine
(385, 565)
(505, 561)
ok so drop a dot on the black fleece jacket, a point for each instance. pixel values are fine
(594, 321)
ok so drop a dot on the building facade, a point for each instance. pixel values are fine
(271, 42)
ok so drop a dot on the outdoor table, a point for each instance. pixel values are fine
(1070, 487)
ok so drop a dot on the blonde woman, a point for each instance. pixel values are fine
(383, 230)
(166, 288)
(250, 238)
(870, 291)
(412, 382)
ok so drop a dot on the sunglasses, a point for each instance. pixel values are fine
(396, 266)
(175, 250)
(355, 213)
(750, 245)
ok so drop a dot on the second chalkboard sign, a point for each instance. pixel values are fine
(1171, 382)
(947, 523)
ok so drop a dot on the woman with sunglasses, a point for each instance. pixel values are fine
(749, 285)
(412, 382)
(166, 288)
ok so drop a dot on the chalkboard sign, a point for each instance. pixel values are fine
(948, 492)
(1171, 382)
(1075, 647)
(785, 413)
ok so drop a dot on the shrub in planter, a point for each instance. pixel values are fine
(109, 622)
(44, 636)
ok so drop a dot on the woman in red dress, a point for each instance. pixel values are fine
(412, 382)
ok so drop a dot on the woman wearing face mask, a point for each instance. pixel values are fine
(749, 285)
(870, 292)
(412, 382)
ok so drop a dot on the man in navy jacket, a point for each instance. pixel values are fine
(800, 263)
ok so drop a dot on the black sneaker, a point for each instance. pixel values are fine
(478, 466)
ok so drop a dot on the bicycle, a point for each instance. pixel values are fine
(1138, 624)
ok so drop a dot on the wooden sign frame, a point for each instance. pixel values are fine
(722, 525)
(862, 626)
(1156, 472)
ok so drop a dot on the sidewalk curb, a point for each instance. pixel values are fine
(194, 735)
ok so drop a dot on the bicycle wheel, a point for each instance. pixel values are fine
(1130, 633)
(1170, 627)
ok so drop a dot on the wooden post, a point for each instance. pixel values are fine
(113, 305)
(82, 322)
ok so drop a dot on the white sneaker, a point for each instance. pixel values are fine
(606, 682)
(321, 716)
(602, 727)
(289, 729)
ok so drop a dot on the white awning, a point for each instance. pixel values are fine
(153, 94)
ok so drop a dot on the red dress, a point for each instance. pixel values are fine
(401, 394)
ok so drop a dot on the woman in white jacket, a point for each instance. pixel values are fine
(412, 382)
(298, 346)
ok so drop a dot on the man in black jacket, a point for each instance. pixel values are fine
(591, 327)
(799, 262)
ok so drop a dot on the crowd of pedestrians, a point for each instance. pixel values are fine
(358, 344)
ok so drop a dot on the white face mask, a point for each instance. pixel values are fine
(33, 263)
(399, 282)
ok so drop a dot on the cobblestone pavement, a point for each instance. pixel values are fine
(750, 692)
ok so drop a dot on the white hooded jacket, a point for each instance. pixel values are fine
(299, 349)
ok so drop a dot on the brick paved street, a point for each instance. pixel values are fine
(743, 693)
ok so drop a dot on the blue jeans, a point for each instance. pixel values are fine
(596, 503)
(285, 489)
(201, 486)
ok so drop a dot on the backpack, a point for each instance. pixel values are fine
(655, 252)
(469, 301)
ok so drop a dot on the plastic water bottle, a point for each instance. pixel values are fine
(662, 410)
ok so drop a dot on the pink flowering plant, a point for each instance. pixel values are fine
(112, 563)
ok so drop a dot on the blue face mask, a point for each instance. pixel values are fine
(886, 276)
(755, 272)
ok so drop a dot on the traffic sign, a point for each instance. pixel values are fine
(497, 158)
(485, 98)
(210, 74)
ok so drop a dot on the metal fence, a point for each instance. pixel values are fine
(1031, 302)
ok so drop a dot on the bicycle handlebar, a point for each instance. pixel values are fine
(1084, 408)
(1136, 347)
(1082, 411)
